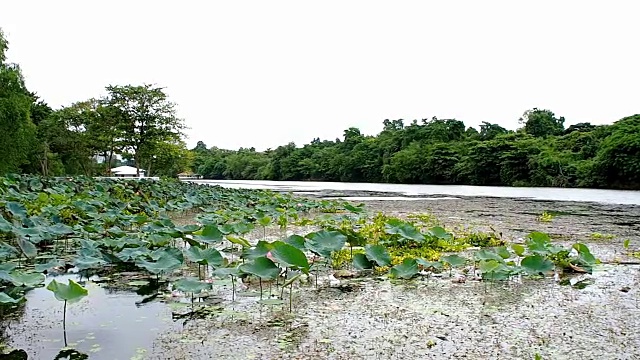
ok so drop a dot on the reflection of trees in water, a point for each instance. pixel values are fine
(13, 314)
(9, 315)
(152, 287)
(71, 354)
(17, 354)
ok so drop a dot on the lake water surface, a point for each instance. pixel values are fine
(627, 197)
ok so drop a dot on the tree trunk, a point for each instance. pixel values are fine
(44, 162)
(110, 159)
(136, 160)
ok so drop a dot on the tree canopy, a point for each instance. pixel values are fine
(130, 121)
(137, 125)
(444, 151)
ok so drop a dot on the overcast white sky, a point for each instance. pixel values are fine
(263, 73)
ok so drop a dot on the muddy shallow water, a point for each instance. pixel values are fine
(107, 324)
(435, 318)
(376, 318)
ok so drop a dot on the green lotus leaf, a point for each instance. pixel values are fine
(378, 254)
(191, 285)
(406, 270)
(6, 299)
(325, 242)
(537, 264)
(71, 292)
(361, 262)
(209, 256)
(261, 267)
(454, 260)
(290, 256)
(28, 279)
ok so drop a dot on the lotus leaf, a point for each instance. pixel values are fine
(6, 299)
(28, 248)
(485, 254)
(85, 262)
(404, 229)
(518, 249)
(361, 262)
(7, 250)
(238, 241)
(48, 265)
(165, 263)
(191, 285)
(494, 270)
(261, 249)
(378, 254)
(28, 279)
(440, 233)
(538, 243)
(5, 226)
(503, 252)
(71, 292)
(536, 264)
(16, 209)
(226, 271)
(406, 270)
(296, 241)
(261, 267)
(325, 242)
(354, 209)
(210, 234)
(202, 256)
(454, 260)
(436, 265)
(188, 229)
(60, 229)
(290, 256)
(265, 220)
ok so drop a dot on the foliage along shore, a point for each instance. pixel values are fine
(110, 226)
(541, 153)
(138, 123)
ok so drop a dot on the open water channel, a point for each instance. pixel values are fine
(406, 191)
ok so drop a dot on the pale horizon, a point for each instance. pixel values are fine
(263, 74)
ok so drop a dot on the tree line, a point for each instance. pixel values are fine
(136, 123)
(542, 152)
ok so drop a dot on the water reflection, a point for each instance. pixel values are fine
(107, 324)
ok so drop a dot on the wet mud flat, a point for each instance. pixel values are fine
(433, 317)
(430, 319)
(518, 217)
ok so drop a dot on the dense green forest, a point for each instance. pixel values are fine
(444, 151)
(137, 124)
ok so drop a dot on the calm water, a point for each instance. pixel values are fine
(106, 324)
(559, 194)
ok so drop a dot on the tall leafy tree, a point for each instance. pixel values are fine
(617, 163)
(542, 123)
(147, 118)
(489, 131)
(106, 131)
(445, 152)
(17, 131)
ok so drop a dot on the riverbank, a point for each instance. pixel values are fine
(436, 318)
